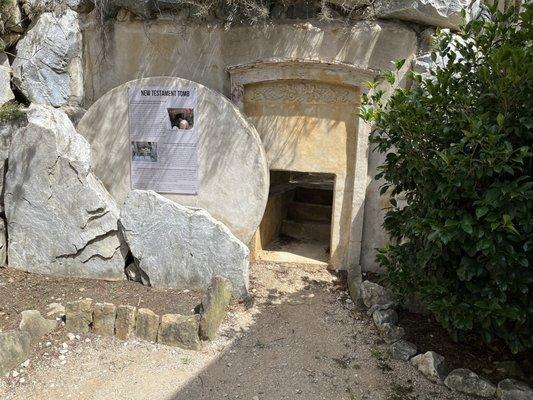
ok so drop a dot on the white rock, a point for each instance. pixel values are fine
(71, 336)
(6, 94)
(181, 247)
(48, 65)
(25, 364)
(372, 293)
(60, 218)
(56, 310)
(441, 13)
(431, 364)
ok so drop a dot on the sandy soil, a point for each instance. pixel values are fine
(302, 339)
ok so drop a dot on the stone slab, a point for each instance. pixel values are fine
(181, 247)
(104, 315)
(233, 173)
(36, 325)
(214, 304)
(147, 325)
(180, 331)
(125, 322)
(79, 316)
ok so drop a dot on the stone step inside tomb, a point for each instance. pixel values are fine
(317, 231)
(309, 212)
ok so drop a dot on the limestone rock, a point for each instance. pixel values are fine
(104, 315)
(55, 310)
(60, 218)
(431, 364)
(178, 330)
(214, 304)
(36, 325)
(181, 247)
(142, 8)
(125, 322)
(510, 389)
(444, 14)
(403, 350)
(146, 325)
(48, 65)
(372, 293)
(6, 94)
(385, 317)
(79, 316)
(14, 349)
(354, 283)
(465, 381)
(391, 333)
(11, 17)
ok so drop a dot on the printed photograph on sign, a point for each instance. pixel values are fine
(144, 151)
(181, 118)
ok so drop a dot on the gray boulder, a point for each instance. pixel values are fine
(181, 247)
(48, 66)
(36, 325)
(510, 389)
(403, 350)
(391, 333)
(465, 381)
(385, 317)
(6, 94)
(432, 365)
(60, 218)
(372, 294)
(439, 13)
(14, 349)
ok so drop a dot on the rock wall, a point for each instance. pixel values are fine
(69, 53)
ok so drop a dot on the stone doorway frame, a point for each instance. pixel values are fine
(275, 69)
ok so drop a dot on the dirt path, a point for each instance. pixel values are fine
(302, 339)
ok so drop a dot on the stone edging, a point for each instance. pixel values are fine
(123, 322)
(432, 365)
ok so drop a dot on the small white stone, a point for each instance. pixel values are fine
(15, 374)
(87, 340)
(71, 336)
(25, 364)
(65, 346)
(22, 380)
(63, 362)
(61, 357)
(47, 344)
(63, 351)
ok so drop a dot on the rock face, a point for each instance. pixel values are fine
(48, 66)
(147, 325)
(36, 325)
(466, 381)
(510, 389)
(6, 94)
(60, 218)
(104, 315)
(79, 316)
(431, 364)
(403, 350)
(214, 304)
(14, 348)
(445, 14)
(178, 330)
(181, 247)
(3, 243)
(125, 322)
(372, 294)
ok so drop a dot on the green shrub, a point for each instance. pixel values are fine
(459, 157)
(11, 111)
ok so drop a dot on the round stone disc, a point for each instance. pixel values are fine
(233, 177)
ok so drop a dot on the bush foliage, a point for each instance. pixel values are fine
(458, 171)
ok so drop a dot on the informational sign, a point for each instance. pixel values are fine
(163, 139)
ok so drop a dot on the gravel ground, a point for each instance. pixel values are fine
(302, 339)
